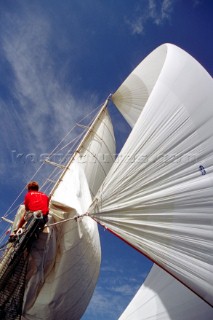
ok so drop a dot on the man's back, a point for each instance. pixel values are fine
(36, 200)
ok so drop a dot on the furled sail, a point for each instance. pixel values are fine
(65, 261)
(163, 297)
(158, 194)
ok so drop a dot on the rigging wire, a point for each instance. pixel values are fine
(71, 143)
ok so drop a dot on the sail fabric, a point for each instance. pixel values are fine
(161, 297)
(95, 158)
(72, 186)
(132, 95)
(65, 261)
(65, 266)
(97, 154)
(158, 194)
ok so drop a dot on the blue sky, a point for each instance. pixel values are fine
(61, 59)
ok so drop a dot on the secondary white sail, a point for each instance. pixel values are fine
(161, 297)
(97, 153)
(158, 194)
(65, 261)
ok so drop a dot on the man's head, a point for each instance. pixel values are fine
(33, 185)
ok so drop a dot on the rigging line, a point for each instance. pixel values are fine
(72, 130)
(87, 115)
(19, 195)
(81, 144)
(94, 156)
(65, 156)
(6, 214)
(102, 140)
(69, 219)
(78, 138)
(147, 256)
(55, 170)
(82, 126)
(3, 246)
(21, 192)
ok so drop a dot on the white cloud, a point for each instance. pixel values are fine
(124, 289)
(158, 14)
(196, 3)
(42, 95)
(152, 12)
(105, 305)
(41, 108)
(114, 291)
(166, 10)
(137, 25)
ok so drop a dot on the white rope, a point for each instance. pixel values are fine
(65, 220)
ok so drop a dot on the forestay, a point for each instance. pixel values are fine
(158, 194)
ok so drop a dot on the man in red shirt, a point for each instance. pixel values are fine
(35, 201)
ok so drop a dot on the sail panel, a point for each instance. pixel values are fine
(65, 266)
(97, 154)
(132, 95)
(158, 194)
(163, 297)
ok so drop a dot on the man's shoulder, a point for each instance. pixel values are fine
(43, 194)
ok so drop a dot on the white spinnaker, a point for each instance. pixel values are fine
(68, 258)
(164, 298)
(158, 194)
(132, 95)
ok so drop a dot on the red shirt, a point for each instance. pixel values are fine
(36, 200)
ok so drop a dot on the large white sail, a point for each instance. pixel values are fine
(158, 194)
(163, 297)
(66, 259)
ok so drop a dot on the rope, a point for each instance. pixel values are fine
(69, 219)
(55, 172)
(3, 246)
(9, 210)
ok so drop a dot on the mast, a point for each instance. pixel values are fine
(81, 143)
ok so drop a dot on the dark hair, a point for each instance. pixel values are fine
(33, 185)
